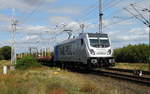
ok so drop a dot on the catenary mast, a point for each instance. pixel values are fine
(100, 16)
(13, 47)
(100, 20)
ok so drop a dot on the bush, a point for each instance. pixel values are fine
(1, 57)
(5, 53)
(133, 54)
(27, 62)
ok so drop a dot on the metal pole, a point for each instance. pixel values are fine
(45, 52)
(82, 27)
(100, 21)
(149, 34)
(100, 16)
(13, 48)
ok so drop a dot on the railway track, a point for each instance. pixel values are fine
(123, 76)
(128, 71)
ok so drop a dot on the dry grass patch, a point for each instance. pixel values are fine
(4, 63)
(90, 87)
(57, 91)
(139, 66)
(46, 80)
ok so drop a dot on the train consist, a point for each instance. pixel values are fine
(88, 50)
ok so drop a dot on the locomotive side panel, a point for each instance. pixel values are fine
(73, 51)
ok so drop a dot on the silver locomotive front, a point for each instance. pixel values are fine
(100, 53)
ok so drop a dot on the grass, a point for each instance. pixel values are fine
(139, 66)
(3, 63)
(45, 80)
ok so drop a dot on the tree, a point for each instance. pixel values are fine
(132, 53)
(5, 53)
(1, 55)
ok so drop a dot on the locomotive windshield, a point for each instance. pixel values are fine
(103, 43)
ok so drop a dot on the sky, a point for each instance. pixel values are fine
(40, 23)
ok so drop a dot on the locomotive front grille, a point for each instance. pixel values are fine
(102, 62)
(101, 52)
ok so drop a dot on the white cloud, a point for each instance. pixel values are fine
(60, 20)
(31, 29)
(37, 28)
(61, 15)
(4, 18)
(33, 37)
(139, 31)
(5, 28)
(65, 10)
(134, 35)
(23, 5)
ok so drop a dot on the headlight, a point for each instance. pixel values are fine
(92, 52)
(94, 61)
(109, 52)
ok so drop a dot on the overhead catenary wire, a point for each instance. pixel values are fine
(135, 16)
(88, 11)
(112, 4)
(139, 14)
(26, 18)
(115, 13)
(31, 3)
(118, 10)
(115, 23)
(91, 9)
(109, 3)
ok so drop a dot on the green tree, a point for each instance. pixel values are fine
(5, 52)
(1, 57)
(132, 53)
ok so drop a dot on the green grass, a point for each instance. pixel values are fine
(139, 66)
(45, 80)
(27, 62)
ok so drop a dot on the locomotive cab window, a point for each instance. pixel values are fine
(103, 43)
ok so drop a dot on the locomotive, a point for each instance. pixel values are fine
(89, 50)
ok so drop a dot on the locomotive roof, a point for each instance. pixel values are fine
(68, 40)
(84, 34)
(98, 35)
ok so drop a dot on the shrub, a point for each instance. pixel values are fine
(27, 62)
(5, 53)
(1, 57)
(133, 53)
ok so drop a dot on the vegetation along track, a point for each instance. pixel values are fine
(123, 75)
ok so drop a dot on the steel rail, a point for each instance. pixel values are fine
(128, 70)
(133, 78)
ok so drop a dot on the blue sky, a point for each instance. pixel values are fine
(37, 21)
